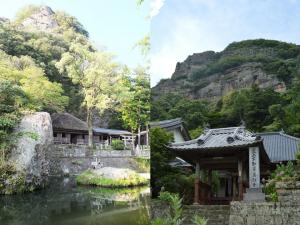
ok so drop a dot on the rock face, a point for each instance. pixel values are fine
(29, 155)
(3, 20)
(41, 20)
(237, 68)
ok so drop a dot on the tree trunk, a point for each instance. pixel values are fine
(147, 135)
(90, 126)
(133, 144)
(139, 137)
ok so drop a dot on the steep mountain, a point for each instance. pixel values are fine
(210, 75)
(42, 19)
(42, 35)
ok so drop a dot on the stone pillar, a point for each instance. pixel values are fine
(254, 168)
(197, 184)
(254, 192)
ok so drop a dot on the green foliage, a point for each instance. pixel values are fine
(135, 99)
(90, 178)
(270, 190)
(283, 173)
(298, 157)
(25, 12)
(175, 215)
(143, 163)
(117, 144)
(11, 181)
(196, 132)
(199, 220)
(69, 23)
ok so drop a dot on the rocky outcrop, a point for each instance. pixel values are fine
(210, 75)
(193, 63)
(3, 20)
(220, 84)
(29, 154)
(42, 20)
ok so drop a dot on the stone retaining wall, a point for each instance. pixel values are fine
(215, 214)
(284, 212)
(74, 159)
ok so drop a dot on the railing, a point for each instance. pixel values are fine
(61, 140)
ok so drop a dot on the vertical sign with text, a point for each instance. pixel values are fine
(254, 168)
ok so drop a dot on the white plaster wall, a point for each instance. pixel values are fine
(178, 137)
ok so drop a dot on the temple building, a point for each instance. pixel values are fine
(68, 129)
(175, 126)
(241, 158)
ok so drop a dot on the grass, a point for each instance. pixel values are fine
(143, 164)
(90, 178)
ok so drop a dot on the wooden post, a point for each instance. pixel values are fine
(210, 184)
(234, 188)
(240, 179)
(197, 184)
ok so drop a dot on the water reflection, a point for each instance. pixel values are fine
(64, 203)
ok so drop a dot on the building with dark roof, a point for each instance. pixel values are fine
(279, 146)
(244, 157)
(175, 126)
(68, 129)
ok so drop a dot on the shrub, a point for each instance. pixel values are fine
(199, 220)
(175, 215)
(282, 173)
(143, 164)
(117, 144)
(90, 178)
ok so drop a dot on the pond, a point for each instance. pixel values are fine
(65, 203)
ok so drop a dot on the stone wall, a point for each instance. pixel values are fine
(215, 214)
(284, 212)
(74, 159)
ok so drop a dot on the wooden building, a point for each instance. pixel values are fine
(174, 126)
(228, 150)
(241, 158)
(68, 129)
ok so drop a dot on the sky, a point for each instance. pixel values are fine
(181, 28)
(115, 25)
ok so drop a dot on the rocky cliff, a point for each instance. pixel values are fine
(29, 154)
(43, 20)
(210, 75)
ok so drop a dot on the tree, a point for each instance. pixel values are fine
(12, 99)
(135, 103)
(95, 72)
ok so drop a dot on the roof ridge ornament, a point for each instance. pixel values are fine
(230, 139)
(206, 126)
(243, 123)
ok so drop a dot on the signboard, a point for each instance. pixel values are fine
(254, 169)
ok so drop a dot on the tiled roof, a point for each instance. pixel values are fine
(279, 146)
(219, 138)
(111, 131)
(67, 121)
(178, 162)
(171, 125)
(167, 123)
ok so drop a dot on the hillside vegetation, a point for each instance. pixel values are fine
(255, 81)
